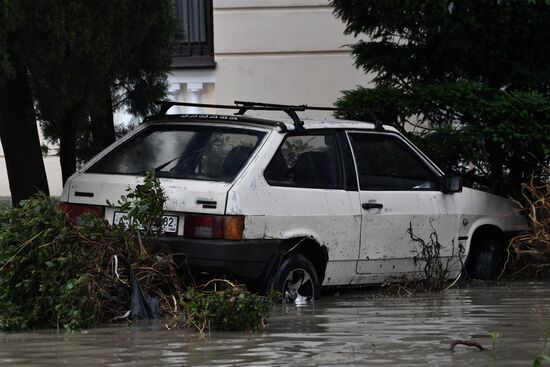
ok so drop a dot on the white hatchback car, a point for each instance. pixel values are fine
(296, 205)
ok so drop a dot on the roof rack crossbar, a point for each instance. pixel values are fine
(377, 123)
(290, 110)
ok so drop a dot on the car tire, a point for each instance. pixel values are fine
(486, 260)
(296, 279)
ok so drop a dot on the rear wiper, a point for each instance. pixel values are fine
(165, 164)
(193, 154)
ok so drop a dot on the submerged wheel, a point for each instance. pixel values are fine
(486, 258)
(297, 280)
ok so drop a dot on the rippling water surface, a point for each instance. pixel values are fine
(354, 328)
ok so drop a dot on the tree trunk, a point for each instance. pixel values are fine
(19, 136)
(68, 127)
(103, 127)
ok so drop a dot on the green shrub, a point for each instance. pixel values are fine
(144, 205)
(44, 281)
(5, 204)
(231, 309)
(54, 274)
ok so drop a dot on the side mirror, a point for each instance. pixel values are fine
(451, 184)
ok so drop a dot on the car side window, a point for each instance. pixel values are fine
(306, 161)
(384, 162)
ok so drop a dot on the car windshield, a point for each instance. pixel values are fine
(191, 152)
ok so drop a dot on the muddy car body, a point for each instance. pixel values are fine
(297, 206)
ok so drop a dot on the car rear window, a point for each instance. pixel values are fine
(190, 152)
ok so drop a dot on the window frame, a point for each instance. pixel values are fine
(438, 174)
(339, 152)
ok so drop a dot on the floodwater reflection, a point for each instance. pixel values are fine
(355, 328)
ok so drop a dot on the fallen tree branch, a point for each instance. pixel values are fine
(469, 343)
(217, 281)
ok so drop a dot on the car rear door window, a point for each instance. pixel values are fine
(191, 152)
(384, 162)
(310, 161)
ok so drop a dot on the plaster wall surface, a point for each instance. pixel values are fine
(282, 51)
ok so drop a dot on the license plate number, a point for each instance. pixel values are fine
(169, 222)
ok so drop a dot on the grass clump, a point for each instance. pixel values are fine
(230, 309)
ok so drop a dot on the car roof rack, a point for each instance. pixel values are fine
(243, 106)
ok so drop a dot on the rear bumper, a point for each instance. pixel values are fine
(245, 258)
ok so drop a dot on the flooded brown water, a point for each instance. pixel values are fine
(353, 328)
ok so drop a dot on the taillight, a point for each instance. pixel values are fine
(214, 226)
(75, 211)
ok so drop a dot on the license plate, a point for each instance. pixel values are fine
(169, 222)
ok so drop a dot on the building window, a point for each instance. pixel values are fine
(195, 49)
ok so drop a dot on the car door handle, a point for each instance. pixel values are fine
(372, 205)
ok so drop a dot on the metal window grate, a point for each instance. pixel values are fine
(196, 46)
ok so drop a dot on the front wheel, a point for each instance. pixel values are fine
(296, 279)
(487, 259)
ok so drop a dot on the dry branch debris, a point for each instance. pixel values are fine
(469, 343)
(529, 252)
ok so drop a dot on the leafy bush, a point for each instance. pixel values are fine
(233, 308)
(144, 205)
(44, 281)
(54, 274)
(5, 204)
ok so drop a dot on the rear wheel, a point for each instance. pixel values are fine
(296, 279)
(486, 258)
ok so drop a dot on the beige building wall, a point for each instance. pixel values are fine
(278, 51)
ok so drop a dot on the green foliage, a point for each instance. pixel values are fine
(54, 274)
(465, 80)
(440, 40)
(231, 309)
(46, 268)
(5, 204)
(144, 205)
(543, 357)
